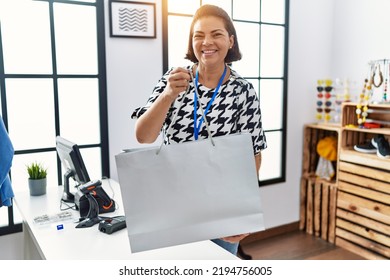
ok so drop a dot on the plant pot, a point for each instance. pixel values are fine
(37, 186)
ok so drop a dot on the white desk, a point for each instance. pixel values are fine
(46, 242)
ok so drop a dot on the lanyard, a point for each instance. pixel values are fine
(196, 125)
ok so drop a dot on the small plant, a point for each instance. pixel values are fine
(36, 171)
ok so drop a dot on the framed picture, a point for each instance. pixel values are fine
(132, 19)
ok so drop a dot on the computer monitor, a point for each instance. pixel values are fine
(73, 163)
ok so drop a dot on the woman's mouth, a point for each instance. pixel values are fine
(207, 52)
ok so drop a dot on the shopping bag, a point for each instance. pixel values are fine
(189, 192)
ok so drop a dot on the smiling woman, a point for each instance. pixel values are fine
(217, 102)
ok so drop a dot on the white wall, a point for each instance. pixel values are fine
(360, 35)
(328, 38)
(134, 66)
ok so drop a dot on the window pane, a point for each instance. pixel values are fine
(272, 51)
(271, 93)
(247, 33)
(178, 40)
(271, 166)
(273, 11)
(76, 39)
(26, 38)
(3, 216)
(79, 110)
(248, 10)
(183, 7)
(224, 4)
(93, 162)
(30, 113)
(255, 83)
(17, 216)
(19, 174)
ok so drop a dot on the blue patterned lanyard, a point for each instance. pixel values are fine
(197, 127)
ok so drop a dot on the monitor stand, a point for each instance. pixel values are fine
(67, 196)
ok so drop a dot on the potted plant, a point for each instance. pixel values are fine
(37, 180)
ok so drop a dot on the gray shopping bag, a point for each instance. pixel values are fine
(189, 192)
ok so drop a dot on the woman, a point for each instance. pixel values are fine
(229, 102)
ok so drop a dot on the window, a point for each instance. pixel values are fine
(262, 31)
(52, 82)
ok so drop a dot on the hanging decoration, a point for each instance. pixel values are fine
(387, 71)
(362, 106)
(379, 79)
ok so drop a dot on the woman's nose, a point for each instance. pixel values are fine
(207, 40)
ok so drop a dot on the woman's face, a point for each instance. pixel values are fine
(211, 41)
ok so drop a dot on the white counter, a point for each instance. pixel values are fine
(70, 243)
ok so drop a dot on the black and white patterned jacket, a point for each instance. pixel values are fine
(236, 108)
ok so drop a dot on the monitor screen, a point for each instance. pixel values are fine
(73, 165)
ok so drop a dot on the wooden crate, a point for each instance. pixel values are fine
(377, 112)
(363, 208)
(318, 207)
(318, 196)
(312, 134)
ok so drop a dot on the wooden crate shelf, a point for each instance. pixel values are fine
(363, 198)
(372, 160)
(318, 206)
(312, 134)
(318, 196)
(363, 205)
(352, 211)
(349, 114)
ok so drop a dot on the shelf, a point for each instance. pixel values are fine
(313, 177)
(371, 160)
(313, 133)
(325, 126)
(349, 115)
(385, 131)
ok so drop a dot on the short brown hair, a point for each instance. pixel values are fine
(234, 53)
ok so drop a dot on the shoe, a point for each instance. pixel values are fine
(367, 148)
(383, 147)
(375, 140)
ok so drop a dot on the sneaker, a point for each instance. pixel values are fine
(367, 148)
(383, 147)
(375, 140)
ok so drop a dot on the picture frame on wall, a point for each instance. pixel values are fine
(132, 19)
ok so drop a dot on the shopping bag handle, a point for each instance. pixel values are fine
(201, 108)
